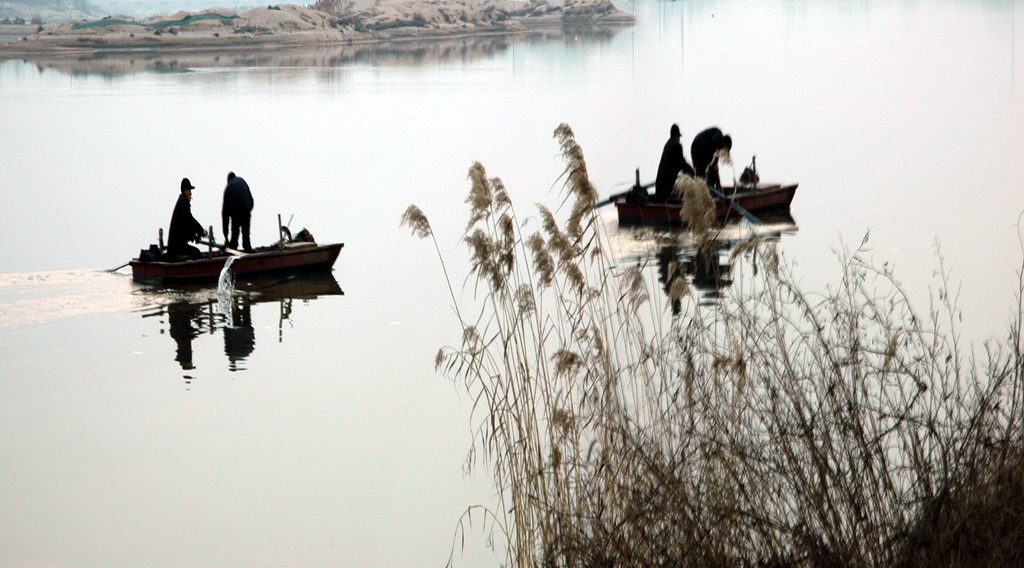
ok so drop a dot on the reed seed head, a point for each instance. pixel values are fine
(577, 179)
(563, 421)
(501, 198)
(417, 221)
(566, 362)
(635, 292)
(698, 211)
(480, 194)
(525, 299)
(470, 336)
(542, 261)
(679, 289)
(724, 158)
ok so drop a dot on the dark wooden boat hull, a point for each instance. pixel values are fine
(765, 198)
(298, 257)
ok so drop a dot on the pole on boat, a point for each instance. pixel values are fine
(160, 238)
(280, 233)
(209, 244)
(735, 206)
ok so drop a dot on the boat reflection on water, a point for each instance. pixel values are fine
(703, 269)
(707, 271)
(197, 311)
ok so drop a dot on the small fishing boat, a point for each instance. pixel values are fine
(283, 258)
(760, 199)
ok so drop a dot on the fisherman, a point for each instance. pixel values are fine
(184, 227)
(704, 147)
(672, 163)
(237, 209)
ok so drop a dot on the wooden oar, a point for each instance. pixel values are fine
(736, 207)
(118, 268)
(230, 251)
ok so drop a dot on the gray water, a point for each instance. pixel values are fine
(141, 430)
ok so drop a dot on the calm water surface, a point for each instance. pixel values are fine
(139, 428)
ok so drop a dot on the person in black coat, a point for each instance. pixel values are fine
(237, 209)
(184, 227)
(672, 162)
(704, 146)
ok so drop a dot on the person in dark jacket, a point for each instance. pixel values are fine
(672, 162)
(184, 227)
(237, 209)
(704, 146)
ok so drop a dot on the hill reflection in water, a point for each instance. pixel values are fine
(383, 54)
(192, 313)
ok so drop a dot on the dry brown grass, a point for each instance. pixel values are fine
(779, 427)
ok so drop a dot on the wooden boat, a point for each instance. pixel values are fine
(291, 257)
(764, 198)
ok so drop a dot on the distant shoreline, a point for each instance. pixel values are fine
(398, 52)
(289, 25)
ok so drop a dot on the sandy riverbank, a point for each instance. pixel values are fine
(329, 22)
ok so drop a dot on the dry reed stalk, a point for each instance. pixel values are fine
(778, 427)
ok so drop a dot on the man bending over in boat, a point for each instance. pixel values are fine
(672, 162)
(703, 149)
(184, 227)
(237, 209)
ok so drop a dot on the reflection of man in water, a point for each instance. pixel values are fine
(179, 319)
(240, 338)
(708, 273)
(669, 270)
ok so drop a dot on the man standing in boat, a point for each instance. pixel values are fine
(672, 163)
(237, 209)
(184, 227)
(704, 147)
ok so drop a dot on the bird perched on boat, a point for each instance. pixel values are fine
(749, 175)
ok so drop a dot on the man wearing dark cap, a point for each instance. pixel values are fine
(672, 162)
(237, 208)
(704, 147)
(184, 227)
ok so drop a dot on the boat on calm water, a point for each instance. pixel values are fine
(295, 257)
(288, 255)
(761, 199)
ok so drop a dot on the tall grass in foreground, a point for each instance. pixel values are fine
(778, 428)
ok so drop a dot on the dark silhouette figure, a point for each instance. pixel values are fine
(236, 211)
(703, 149)
(240, 337)
(671, 164)
(184, 227)
(179, 319)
